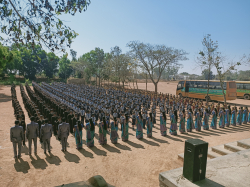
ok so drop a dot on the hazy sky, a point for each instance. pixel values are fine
(181, 24)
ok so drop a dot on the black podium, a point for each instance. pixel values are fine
(195, 160)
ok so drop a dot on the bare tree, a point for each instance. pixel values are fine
(155, 56)
(207, 57)
(222, 71)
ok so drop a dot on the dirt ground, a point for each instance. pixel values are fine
(126, 164)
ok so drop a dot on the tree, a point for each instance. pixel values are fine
(221, 73)
(171, 71)
(6, 57)
(116, 61)
(207, 57)
(155, 56)
(16, 65)
(30, 62)
(73, 54)
(206, 75)
(79, 66)
(37, 22)
(125, 68)
(107, 67)
(244, 75)
(91, 63)
(184, 73)
(98, 60)
(52, 66)
(65, 69)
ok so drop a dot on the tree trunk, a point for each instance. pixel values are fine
(95, 80)
(123, 84)
(221, 84)
(146, 82)
(209, 67)
(136, 84)
(99, 81)
(119, 82)
(155, 86)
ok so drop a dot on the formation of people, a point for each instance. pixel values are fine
(62, 109)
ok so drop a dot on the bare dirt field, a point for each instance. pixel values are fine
(126, 164)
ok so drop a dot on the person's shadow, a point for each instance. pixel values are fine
(111, 149)
(85, 153)
(39, 163)
(123, 147)
(71, 157)
(25, 150)
(135, 144)
(159, 140)
(149, 142)
(98, 151)
(21, 165)
(52, 159)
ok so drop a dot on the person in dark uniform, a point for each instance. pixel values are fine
(22, 124)
(82, 112)
(65, 115)
(40, 123)
(57, 123)
(54, 123)
(74, 122)
(69, 120)
(16, 137)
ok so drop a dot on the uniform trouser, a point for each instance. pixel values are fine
(55, 127)
(46, 142)
(15, 144)
(144, 123)
(24, 138)
(35, 144)
(82, 119)
(64, 143)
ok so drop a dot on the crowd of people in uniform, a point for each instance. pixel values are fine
(62, 108)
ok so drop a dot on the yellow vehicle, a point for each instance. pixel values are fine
(243, 89)
(198, 89)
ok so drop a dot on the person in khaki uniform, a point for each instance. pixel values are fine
(16, 137)
(63, 133)
(32, 132)
(46, 133)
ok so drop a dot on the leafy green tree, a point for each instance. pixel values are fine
(52, 67)
(16, 65)
(37, 22)
(92, 62)
(6, 57)
(30, 63)
(65, 69)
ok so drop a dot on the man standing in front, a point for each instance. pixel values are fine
(32, 132)
(16, 137)
(46, 133)
(63, 133)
